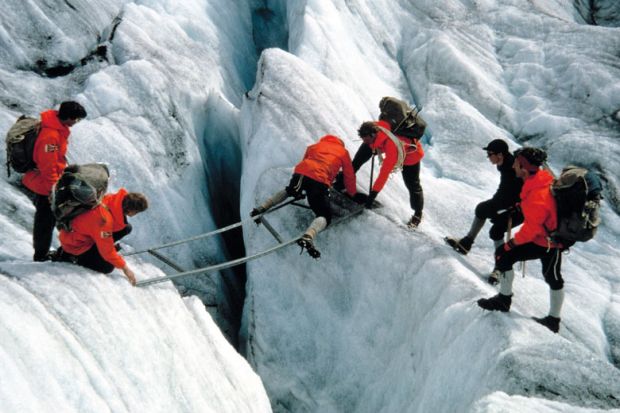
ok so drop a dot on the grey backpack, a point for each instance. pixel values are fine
(79, 189)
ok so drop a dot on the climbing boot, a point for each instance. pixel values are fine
(414, 221)
(552, 323)
(462, 245)
(306, 243)
(499, 302)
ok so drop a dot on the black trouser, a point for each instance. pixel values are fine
(551, 260)
(363, 154)
(317, 193)
(411, 176)
(90, 259)
(488, 210)
(43, 229)
(123, 232)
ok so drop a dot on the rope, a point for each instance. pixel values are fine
(217, 267)
(241, 260)
(209, 234)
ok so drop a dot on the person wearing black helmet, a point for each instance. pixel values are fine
(500, 208)
(532, 241)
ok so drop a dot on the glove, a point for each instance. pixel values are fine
(359, 198)
(509, 245)
(371, 198)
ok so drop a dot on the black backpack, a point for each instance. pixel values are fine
(577, 193)
(20, 141)
(403, 119)
(79, 189)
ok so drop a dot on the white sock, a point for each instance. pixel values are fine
(505, 282)
(556, 299)
(317, 225)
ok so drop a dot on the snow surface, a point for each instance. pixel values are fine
(386, 320)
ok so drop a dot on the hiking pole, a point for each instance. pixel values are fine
(372, 171)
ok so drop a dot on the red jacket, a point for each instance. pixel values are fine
(49, 154)
(539, 210)
(385, 145)
(324, 159)
(114, 202)
(90, 228)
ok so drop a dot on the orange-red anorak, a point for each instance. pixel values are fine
(114, 202)
(324, 159)
(90, 228)
(539, 210)
(49, 154)
(382, 143)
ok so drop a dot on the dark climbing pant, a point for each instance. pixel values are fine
(317, 193)
(551, 260)
(43, 229)
(116, 236)
(91, 259)
(411, 176)
(488, 210)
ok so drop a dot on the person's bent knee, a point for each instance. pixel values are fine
(554, 283)
(496, 234)
(485, 210)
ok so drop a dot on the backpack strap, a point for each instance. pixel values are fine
(399, 147)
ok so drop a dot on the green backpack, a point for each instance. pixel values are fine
(403, 119)
(20, 140)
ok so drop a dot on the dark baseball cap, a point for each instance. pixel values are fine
(497, 146)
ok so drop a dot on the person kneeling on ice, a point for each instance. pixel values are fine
(90, 243)
(505, 199)
(532, 240)
(314, 175)
(121, 205)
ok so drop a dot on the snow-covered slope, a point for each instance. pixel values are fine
(386, 320)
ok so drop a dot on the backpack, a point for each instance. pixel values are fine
(20, 141)
(79, 189)
(403, 119)
(577, 193)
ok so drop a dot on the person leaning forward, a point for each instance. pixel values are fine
(90, 243)
(314, 175)
(501, 208)
(121, 205)
(49, 156)
(376, 139)
(532, 240)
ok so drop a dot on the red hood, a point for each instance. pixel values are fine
(539, 180)
(49, 119)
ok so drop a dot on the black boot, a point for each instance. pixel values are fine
(414, 221)
(552, 323)
(462, 245)
(499, 302)
(305, 242)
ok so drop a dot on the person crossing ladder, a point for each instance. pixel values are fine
(314, 175)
